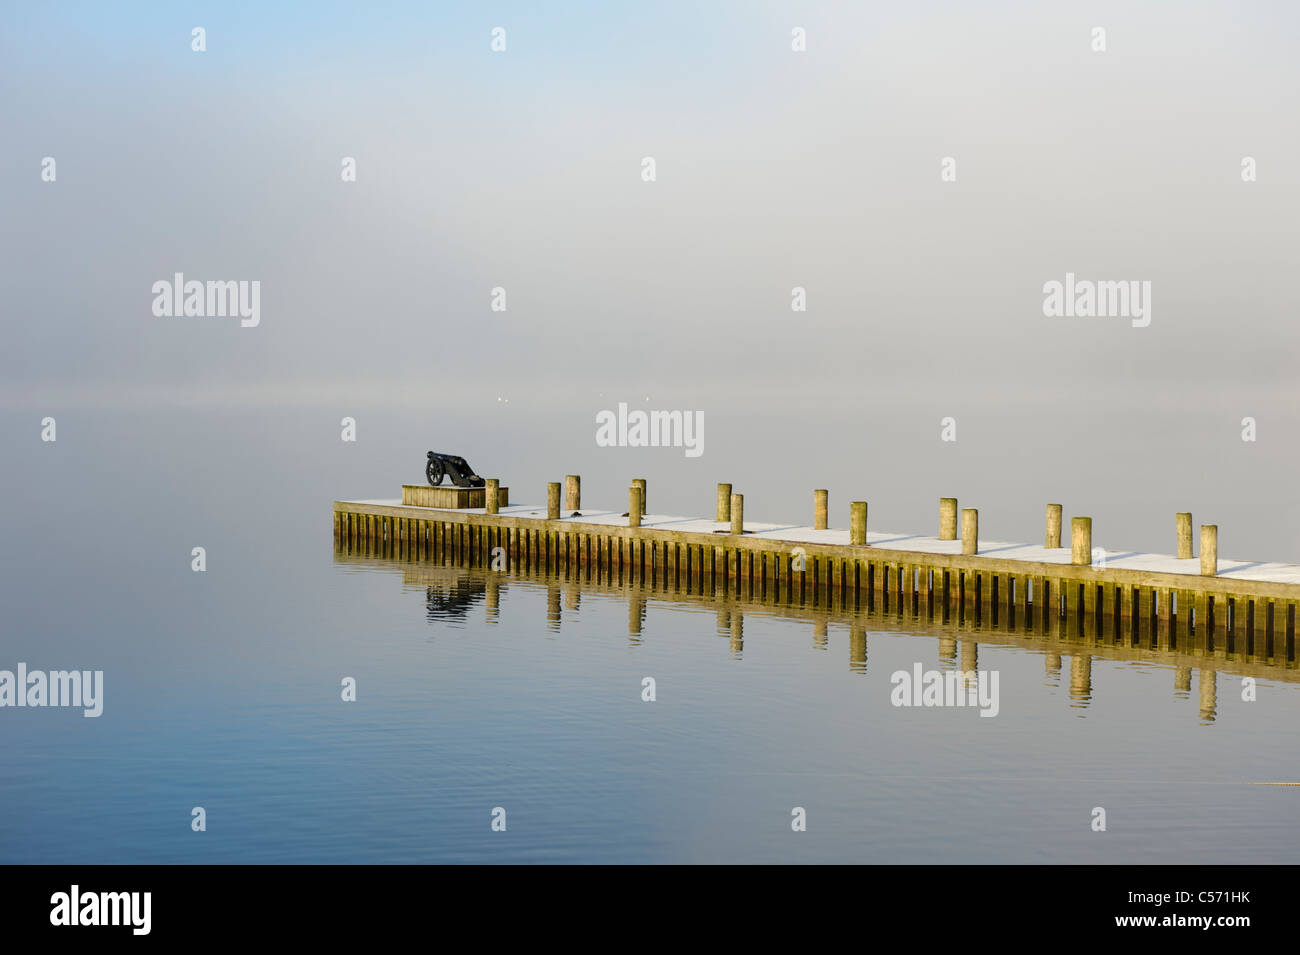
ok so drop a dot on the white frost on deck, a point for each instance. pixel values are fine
(1035, 553)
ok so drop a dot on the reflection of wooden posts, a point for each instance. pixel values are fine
(1183, 680)
(1081, 678)
(1081, 541)
(1209, 550)
(970, 530)
(640, 482)
(1052, 664)
(858, 522)
(1209, 695)
(737, 632)
(819, 633)
(553, 608)
(553, 500)
(493, 601)
(970, 656)
(738, 514)
(947, 518)
(820, 508)
(633, 507)
(1053, 526)
(635, 617)
(858, 648)
(1183, 521)
(572, 493)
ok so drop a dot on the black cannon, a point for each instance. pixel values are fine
(462, 475)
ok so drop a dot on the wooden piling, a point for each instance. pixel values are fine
(640, 482)
(857, 523)
(1209, 550)
(970, 530)
(1183, 519)
(947, 518)
(553, 500)
(492, 489)
(634, 506)
(738, 514)
(1081, 541)
(572, 493)
(820, 509)
(1053, 525)
(724, 503)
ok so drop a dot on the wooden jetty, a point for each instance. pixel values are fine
(1252, 604)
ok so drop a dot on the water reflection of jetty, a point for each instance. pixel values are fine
(454, 586)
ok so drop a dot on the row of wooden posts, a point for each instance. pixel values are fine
(731, 509)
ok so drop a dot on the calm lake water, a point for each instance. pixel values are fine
(479, 690)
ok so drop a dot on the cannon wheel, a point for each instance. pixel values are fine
(433, 471)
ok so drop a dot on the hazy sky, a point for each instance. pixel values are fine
(775, 169)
